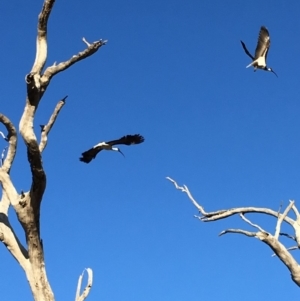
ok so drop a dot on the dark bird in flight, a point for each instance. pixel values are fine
(91, 154)
(261, 51)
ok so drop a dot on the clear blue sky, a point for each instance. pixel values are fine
(173, 71)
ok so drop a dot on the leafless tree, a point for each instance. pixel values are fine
(27, 204)
(272, 240)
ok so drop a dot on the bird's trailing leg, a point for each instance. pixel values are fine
(251, 64)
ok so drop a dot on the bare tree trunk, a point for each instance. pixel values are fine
(27, 204)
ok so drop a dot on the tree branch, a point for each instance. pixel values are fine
(53, 70)
(88, 287)
(272, 241)
(12, 243)
(47, 128)
(12, 140)
(250, 223)
(220, 214)
(239, 231)
(41, 41)
(281, 218)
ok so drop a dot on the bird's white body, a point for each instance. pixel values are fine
(258, 63)
(103, 145)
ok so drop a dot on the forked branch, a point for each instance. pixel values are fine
(86, 291)
(272, 241)
(220, 214)
(41, 41)
(55, 69)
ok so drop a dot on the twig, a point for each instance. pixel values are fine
(45, 129)
(281, 218)
(289, 249)
(296, 211)
(88, 287)
(186, 190)
(287, 235)
(239, 231)
(86, 42)
(250, 223)
(279, 209)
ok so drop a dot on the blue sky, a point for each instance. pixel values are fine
(173, 71)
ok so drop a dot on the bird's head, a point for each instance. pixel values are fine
(271, 70)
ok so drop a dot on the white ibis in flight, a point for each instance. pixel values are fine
(91, 154)
(259, 61)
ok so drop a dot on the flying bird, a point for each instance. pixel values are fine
(91, 154)
(261, 51)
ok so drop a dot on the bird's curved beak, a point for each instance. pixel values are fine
(274, 72)
(121, 153)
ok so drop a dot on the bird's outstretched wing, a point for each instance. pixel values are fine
(89, 155)
(128, 140)
(246, 50)
(263, 43)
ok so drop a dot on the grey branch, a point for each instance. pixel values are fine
(279, 249)
(53, 70)
(281, 218)
(46, 128)
(250, 223)
(239, 231)
(86, 291)
(220, 214)
(12, 140)
(296, 211)
(41, 40)
(11, 241)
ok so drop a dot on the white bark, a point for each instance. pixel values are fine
(272, 241)
(27, 204)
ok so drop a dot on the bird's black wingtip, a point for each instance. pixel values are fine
(84, 160)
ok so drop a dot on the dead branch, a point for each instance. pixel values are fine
(46, 128)
(287, 235)
(272, 241)
(12, 140)
(41, 41)
(239, 231)
(250, 223)
(220, 214)
(11, 242)
(281, 218)
(86, 291)
(296, 211)
(55, 69)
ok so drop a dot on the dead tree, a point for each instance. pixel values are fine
(272, 240)
(27, 204)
